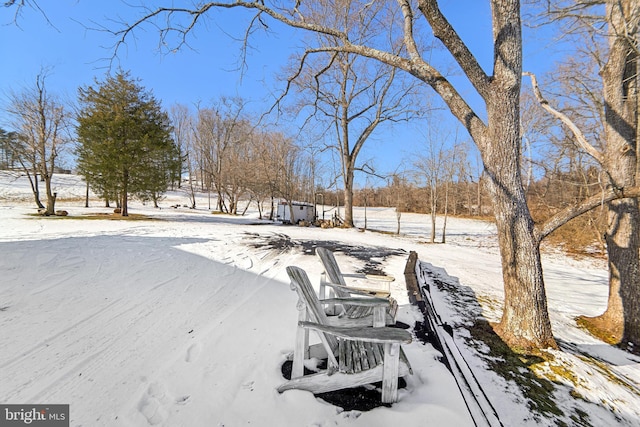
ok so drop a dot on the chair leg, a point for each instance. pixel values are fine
(301, 351)
(390, 369)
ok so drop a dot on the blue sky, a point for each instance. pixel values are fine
(208, 69)
(77, 53)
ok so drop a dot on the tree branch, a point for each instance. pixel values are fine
(409, 39)
(443, 30)
(413, 65)
(543, 230)
(577, 133)
(21, 4)
(195, 14)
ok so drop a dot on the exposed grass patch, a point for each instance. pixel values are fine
(37, 215)
(385, 232)
(592, 326)
(580, 417)
(517, 368)
(118, 217)
(490, 303)
(558, 373)
(606, 371)
(103, 216)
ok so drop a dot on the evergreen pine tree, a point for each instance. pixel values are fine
(125, 141)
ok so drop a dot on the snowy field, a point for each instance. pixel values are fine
(186, 318)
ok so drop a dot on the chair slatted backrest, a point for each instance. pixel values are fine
(331, 266)
(308, 296)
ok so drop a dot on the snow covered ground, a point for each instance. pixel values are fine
(186, 318)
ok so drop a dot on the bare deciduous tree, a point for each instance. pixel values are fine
(436, 166)
(399, 188)
(40, 120)
(353, 95)
(454, 168)
(183, 134)
(221, 134)
(270, 150)
(8, 145)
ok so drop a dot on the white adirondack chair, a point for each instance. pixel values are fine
(334, 279)
(355, 355)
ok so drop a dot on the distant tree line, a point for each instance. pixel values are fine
(220, 150)
(127, 145)
(225, 153)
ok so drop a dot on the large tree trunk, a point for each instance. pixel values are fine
(273, 208)
(86, 196)
(620, 323)
(525, 324)
(525, 321)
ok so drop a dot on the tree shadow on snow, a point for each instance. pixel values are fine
(373, 256)
(540, 391)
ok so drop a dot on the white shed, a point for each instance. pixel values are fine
(301, 212)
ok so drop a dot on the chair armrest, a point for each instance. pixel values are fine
(380, 277)
(346, 289)
(355, 275)
(374, 335)
(363, 302)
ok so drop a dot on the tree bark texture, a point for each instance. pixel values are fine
(620, 82)
(525, 322)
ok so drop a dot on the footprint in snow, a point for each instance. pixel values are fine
(193, 352)
(182, 400)
(151, 404)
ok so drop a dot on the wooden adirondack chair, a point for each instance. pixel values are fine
(355, 355)
(333, 278)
